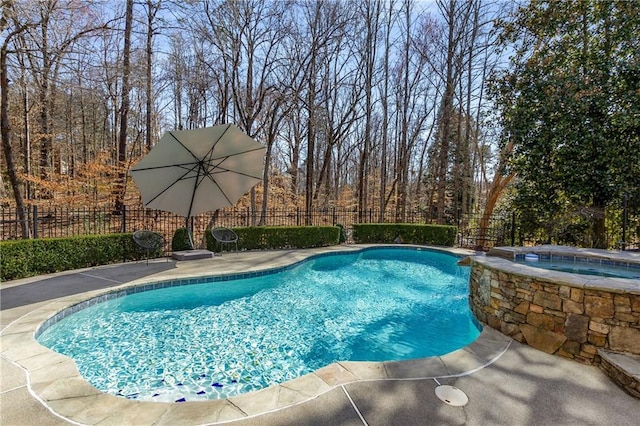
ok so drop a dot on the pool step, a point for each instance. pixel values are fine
(192, 254)
(623, 368)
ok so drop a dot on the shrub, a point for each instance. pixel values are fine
(280, 237)
(404, 233)
(180, 240)
(343, 234)
(25, 258)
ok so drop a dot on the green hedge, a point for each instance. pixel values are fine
(279, 237)
(405, 233)
(180, 240)
(26, 258)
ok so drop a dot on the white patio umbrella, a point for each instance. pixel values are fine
(190, 172)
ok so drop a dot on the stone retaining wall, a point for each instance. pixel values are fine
(557, 313)
(625, 379)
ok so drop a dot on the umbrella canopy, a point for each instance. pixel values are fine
(190, 172)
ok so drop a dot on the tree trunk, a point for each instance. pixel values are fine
(27, 133)
(265, 183)
(403, 152)
(45, 131)
(151, 10)
(310, 157)
(385, 117)
(498, 185)
(311, 138)
(124, 111)
(372, 11)
(599, 224)
(445, 116)
(5, 131)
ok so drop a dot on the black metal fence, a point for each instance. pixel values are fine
(49, 222)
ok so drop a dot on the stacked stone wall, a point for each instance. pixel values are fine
(629, 382)
(555, 317)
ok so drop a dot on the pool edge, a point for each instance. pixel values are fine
(49, 374)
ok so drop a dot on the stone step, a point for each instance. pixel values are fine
(192, 254)
(623, 368)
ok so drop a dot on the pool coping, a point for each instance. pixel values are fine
(54, 381)
(547, 251)
(502, 259)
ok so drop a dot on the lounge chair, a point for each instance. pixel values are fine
(148, 241)
(224, 236)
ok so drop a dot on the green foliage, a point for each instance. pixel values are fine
(280, 237)
(25, 258)
(343, 233)
(571, 108)
(404, 233)
(180, 240)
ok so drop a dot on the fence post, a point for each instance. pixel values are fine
(297, 216)
(334, 218)
(124, 219)
(35, 221)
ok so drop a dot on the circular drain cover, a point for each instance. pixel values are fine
(451, 395)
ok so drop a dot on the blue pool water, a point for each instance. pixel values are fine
(586, 268)
(219, 339)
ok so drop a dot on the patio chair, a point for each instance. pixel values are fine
(148, 241)
(224, 236)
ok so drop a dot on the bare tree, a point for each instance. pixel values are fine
(152, 10)
(413, 108)
(370, 104)
(340, 93)
(456, 18)
(248, 36)
(124, 109)
(5, 123)
(384, 100)
(323, 23)
(46, 45)
(456, 52)
(371, 14)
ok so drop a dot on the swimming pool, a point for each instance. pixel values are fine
(221, 338)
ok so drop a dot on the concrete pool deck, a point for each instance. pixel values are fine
(506, 382)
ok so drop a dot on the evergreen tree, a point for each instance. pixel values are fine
(570, 105)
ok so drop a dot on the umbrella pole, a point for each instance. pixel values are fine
(189, 232)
